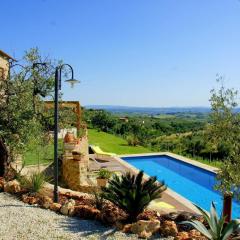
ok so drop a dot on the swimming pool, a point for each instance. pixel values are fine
(192, 182)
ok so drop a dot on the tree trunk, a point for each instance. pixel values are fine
(227, 207)
(3, 158)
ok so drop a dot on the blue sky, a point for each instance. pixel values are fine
(156, 53)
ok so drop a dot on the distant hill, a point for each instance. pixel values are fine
(150, 110)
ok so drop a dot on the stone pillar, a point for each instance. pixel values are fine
(75, 171)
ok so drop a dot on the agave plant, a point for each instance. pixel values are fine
(132, 194)
(218, 229)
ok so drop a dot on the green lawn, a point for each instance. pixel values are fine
(111, 143)
(40, 154)
(37, 155)
(107, 142)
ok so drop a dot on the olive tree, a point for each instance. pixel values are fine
(224, 130)
(21, 106)
(23, 117)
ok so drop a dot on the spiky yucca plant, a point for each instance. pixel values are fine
(34, 182)
(99, 200)
(218, 229)
(132, 194)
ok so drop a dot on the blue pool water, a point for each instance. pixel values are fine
(194, 183)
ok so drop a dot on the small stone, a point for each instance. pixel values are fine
(170, 216)
(12, 187)
(87, 212)
(2, 183)
(25, 198)
(153, 226)
(184, 216)
(169, 228)
(196, 235)
(145, 228)
(139, 226)
(68, 208)
(71, 202)
(55, 207)
(64, 210)
(144, 234)
(127, 228)
(71, 211)
(148, 215)
(111, 214)
(46, 202)
(30, 199)
(182, 236)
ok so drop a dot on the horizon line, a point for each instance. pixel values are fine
(130, 106)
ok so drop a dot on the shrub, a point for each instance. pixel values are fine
(132, 140)
(34, 183)
(104, 174)
(98, 200)
(132, 194)
(218, 229)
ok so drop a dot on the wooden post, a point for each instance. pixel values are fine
(227, 207)
(74, 105)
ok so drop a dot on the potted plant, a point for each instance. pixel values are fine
(69, 137)
(102, 177)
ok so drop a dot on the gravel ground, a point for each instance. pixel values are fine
(21, 221)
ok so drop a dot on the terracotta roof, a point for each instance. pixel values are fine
(6, 55)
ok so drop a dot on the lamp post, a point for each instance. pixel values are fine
(34, 65)
(11, 65)
(58, 83)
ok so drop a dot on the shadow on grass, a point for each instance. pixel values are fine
(130, 146)
(86, 227)
(124, 145)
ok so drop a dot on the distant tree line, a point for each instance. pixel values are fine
(189, 135)
(181, 134)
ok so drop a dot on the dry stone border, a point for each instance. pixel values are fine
(28, 222)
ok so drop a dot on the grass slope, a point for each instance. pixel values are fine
(111, 143)
(36, 154)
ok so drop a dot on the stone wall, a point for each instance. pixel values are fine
(5, 65)
(75, 171)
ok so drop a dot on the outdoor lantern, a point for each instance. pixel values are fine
(72, 81)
